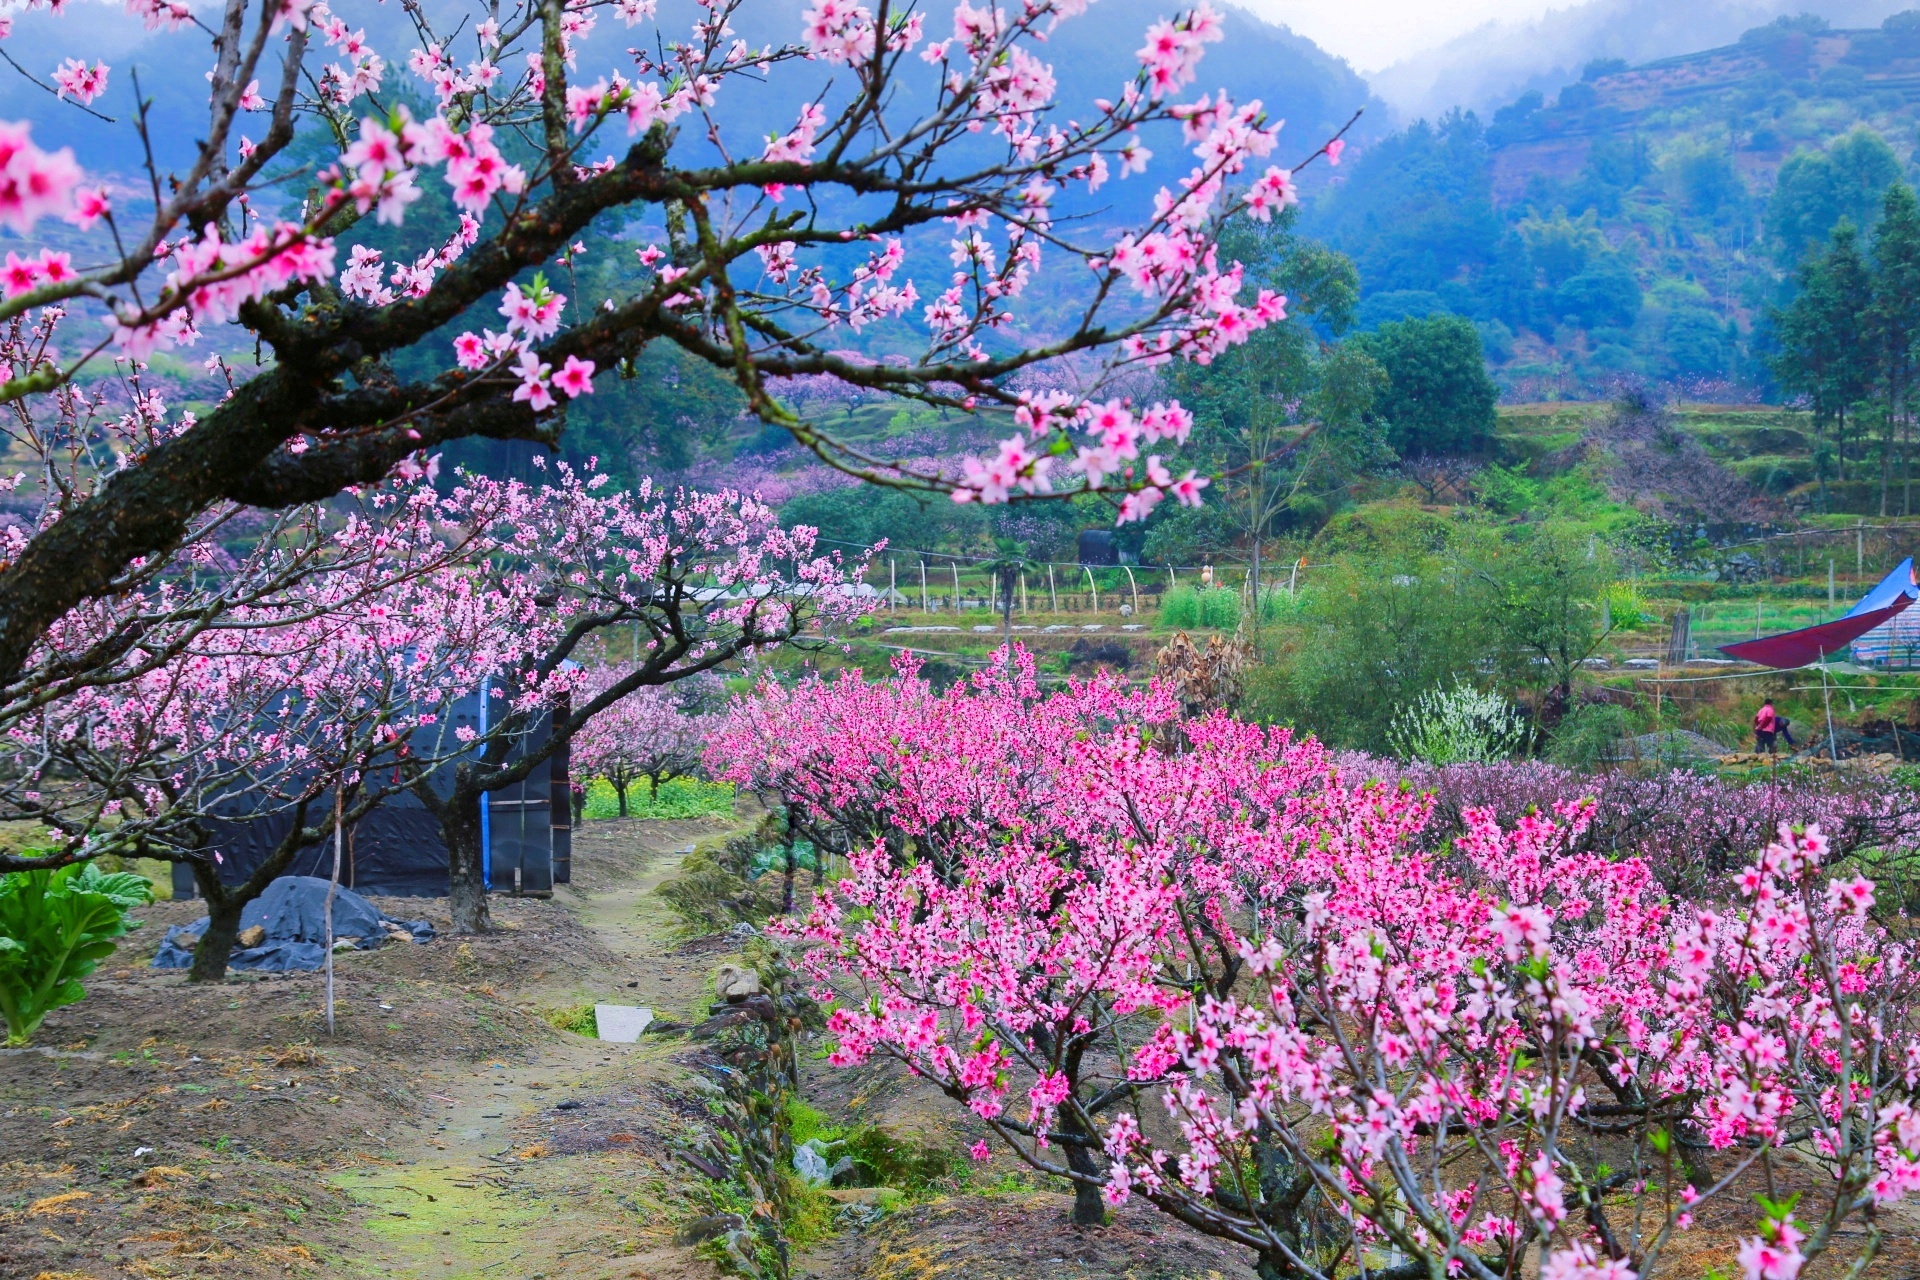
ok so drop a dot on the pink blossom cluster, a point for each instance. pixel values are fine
(362, 278)
(1173, 262)
(364, 70)
(1061, 903)
(33, 183)
(643, 103)
(532, 314)
(212, 279)
(84, 82)
(24, 275)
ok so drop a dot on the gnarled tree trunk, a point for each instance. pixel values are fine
(224, 906)
(466, 872)
(1089, 1209)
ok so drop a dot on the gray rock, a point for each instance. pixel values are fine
(734, 984)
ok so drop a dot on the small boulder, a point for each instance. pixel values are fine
(252, 937)
(735, 984)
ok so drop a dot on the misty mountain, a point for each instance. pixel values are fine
(1502, 60)
(1092, 56)
(1642, 222)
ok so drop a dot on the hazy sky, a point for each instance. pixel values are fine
(1375, 33)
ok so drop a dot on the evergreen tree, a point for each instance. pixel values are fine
(1821, 354)
(1894, 326)
(1439, 398)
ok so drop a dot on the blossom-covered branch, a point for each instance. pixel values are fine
(914, 140)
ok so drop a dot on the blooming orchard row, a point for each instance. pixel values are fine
(1196, 962)
(1688, 827)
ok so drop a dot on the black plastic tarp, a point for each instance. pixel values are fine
(293, 910)
(396, 849)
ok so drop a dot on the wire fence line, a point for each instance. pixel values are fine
(1875, 548)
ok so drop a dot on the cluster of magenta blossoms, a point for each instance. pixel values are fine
(1198, 963)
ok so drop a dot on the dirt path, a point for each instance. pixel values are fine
(550, 1166)
(445, 1130)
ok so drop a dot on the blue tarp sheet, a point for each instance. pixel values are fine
(293, 911)
(1896, 584)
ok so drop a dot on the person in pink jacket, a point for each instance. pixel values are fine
(1767, 725)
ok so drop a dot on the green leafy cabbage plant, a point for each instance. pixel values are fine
(55, 928)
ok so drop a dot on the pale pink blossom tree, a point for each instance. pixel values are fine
(311, 667)
(647, 735)
(345, 633)
(706, 578)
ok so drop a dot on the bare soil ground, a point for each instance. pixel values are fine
(169, 1130)
(447, 1130)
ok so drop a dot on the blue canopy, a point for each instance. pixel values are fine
(1896, 584)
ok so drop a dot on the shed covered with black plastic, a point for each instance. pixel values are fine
(395, 850)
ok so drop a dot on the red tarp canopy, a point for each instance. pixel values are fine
(1809, 645)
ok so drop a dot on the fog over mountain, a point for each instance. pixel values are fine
(1495, 63)
(1093, 55)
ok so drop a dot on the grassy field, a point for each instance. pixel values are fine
(678, 798)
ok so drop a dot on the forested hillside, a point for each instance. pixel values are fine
(1640, 224)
